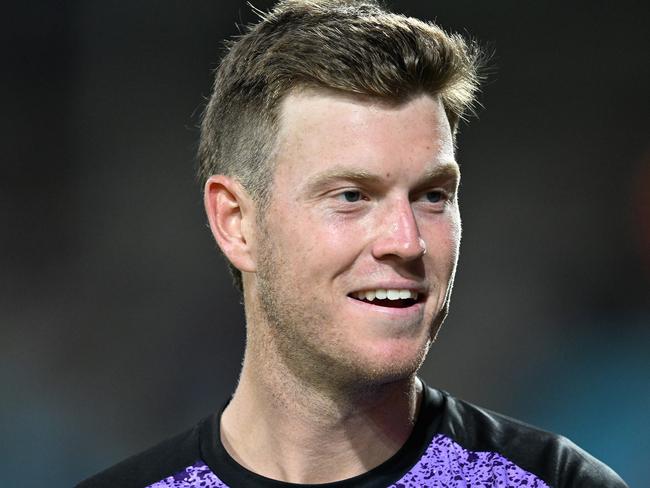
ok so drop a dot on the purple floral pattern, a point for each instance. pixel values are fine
(445, 464)
(196, 476)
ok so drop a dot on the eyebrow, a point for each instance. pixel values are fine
(446, 170)
(319, 180)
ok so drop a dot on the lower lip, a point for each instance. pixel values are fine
(416, 308)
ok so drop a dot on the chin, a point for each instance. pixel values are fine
(387, 363)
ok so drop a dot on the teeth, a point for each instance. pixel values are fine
(392, 294)
(382, 294)
(404, 294)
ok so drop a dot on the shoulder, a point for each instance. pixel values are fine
(161, 461)
(551, 457)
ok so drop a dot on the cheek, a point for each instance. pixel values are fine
(443, 241)
(311, 243)
(336, 244)
(455, 233)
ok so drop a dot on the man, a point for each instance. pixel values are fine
(327, 154)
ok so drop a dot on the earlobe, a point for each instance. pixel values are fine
(228, 208)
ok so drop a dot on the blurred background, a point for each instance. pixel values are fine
(118, 323)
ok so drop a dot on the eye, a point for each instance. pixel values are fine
(435, 196)
(351, 196)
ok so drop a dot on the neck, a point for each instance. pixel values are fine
(287, 428)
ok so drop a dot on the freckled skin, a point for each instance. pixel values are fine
(315, 248)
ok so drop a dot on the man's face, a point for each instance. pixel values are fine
(360, 187)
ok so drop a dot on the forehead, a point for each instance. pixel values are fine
(322, 129)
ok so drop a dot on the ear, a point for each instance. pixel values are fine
(231, 213)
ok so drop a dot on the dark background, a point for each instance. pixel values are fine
(118, 324)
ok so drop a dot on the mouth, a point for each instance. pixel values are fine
(388, 298)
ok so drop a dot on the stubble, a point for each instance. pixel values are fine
(298, 330)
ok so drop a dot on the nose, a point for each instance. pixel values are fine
(398, 234)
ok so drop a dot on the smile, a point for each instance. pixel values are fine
(393, 298)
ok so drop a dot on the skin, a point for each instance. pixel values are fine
(363, 197)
